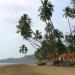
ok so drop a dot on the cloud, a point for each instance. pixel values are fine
(10, 13)
(12, 8)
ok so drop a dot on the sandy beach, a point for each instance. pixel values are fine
(22, 69)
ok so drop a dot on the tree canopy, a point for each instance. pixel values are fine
(50, 45)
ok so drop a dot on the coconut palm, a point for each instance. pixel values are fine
(24, 27)
(23, 49)
(45, 11)
(67, 15)
(38, 35)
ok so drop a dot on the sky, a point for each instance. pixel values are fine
(10, 13)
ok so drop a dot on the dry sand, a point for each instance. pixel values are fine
(22, 69)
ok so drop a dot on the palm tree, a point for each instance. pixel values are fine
(67, 15)
(38, 35)
(23, 49)
(45, 11)
(24, 27)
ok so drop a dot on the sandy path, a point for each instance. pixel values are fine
(35, 70)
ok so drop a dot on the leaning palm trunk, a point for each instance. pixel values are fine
(70, 27)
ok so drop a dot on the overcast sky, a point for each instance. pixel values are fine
(10, 13)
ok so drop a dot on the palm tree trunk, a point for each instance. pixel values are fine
(31, 43)
(46, 23)
(70, 26)
(36, 40)
(34, 43)
(52, 24)
(47, 34)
